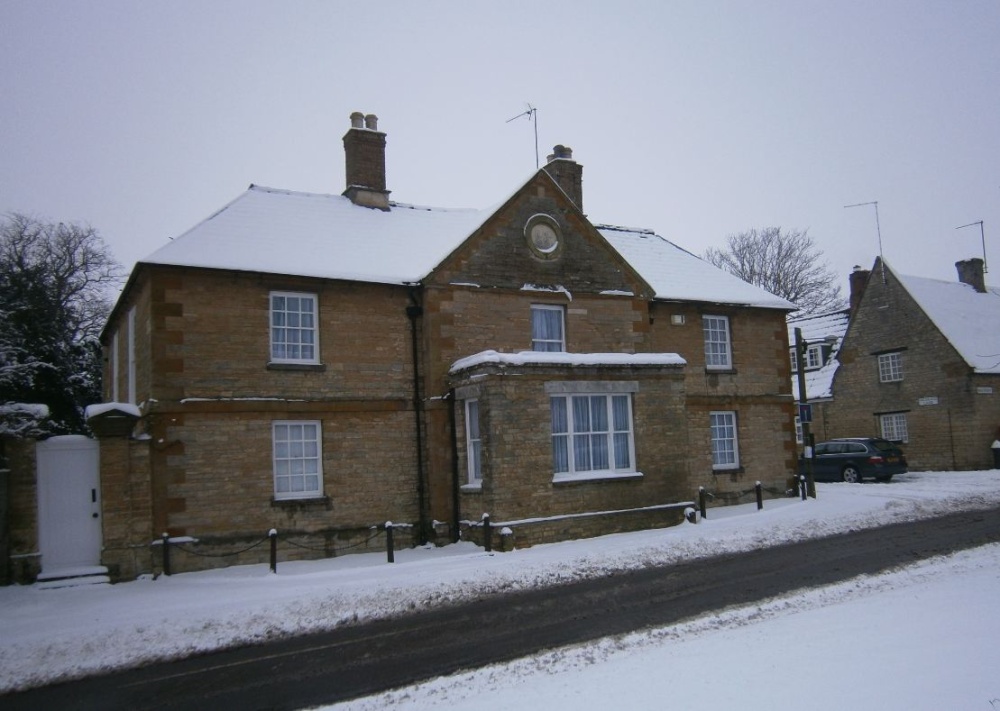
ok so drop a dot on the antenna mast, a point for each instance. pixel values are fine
(881, 257)
(532, 114)
(982, 234)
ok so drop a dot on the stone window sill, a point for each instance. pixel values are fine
(303, 504)
(301, 367)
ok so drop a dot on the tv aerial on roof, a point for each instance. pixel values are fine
(982, 235)
(878, 229)
(532, 115)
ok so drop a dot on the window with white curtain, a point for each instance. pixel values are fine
(547, 332)
(592, 433)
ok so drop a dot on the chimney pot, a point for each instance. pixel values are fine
(971, 272)
(357, 120)
(371, 122)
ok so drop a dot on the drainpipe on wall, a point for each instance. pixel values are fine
(455, 484)
(413, 312)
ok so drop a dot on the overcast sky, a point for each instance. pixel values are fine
(696, 119)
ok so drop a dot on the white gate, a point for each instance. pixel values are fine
(69, 504)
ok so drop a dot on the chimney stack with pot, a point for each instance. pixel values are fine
(567, 173)
(858, 281)
(364, 160)
(970, 271)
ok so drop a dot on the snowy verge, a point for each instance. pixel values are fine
(60, 634)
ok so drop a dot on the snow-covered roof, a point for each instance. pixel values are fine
(970, 320)
(823, 328)
(677, 275)
(327, 236)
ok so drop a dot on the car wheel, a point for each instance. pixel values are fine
(851, 474)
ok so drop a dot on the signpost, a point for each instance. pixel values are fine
(805, 414)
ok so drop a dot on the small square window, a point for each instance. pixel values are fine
(890, 367)
(814, 356)
(547, 332)
(894, 427)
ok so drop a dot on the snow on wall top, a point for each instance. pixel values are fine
(968, 319)
(327, 236)
(677, 275)
(823, 328)
(563, 358)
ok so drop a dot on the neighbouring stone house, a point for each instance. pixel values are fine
(321, 364)
(920, 365)
(822, 336)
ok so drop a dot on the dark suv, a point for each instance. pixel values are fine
(853, 459)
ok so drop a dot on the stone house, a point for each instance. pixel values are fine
(323, 364)
(920, 365)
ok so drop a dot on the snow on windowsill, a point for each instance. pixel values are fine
(475, 488)
(594, 476)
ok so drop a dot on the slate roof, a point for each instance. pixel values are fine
(327, 236)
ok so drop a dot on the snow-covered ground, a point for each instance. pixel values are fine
(924, 637)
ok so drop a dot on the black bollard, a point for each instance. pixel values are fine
(166, 553)
(487, 534)
(701, 500)
(802, 485)
(760, 495)
(390, 552)
(273, 535)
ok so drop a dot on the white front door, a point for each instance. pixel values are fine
(69, 503)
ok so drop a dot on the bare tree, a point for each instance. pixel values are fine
(787, 264)
(56, 283)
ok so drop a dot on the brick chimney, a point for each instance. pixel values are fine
(567, 172)
(970, 271)
(858, 281)
(364, 149)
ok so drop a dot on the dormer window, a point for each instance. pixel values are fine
(814, 357)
